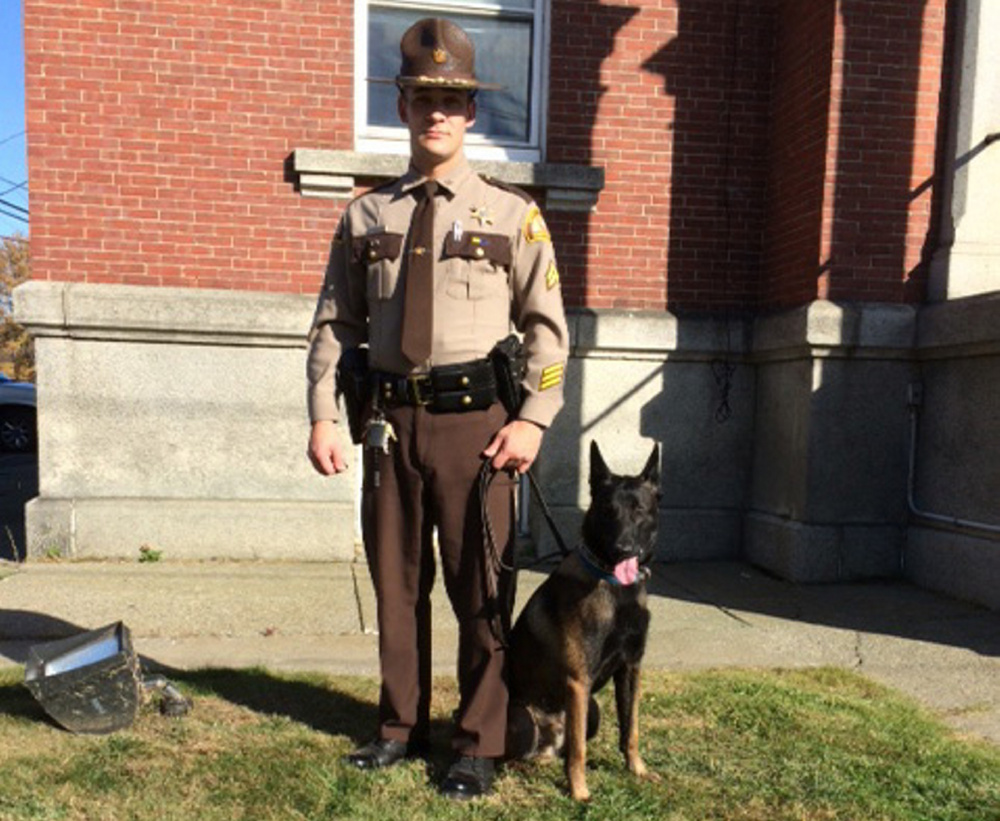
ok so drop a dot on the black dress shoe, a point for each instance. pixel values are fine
(469, 778)
(382, 752)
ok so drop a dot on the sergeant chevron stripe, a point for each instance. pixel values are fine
(551, 376)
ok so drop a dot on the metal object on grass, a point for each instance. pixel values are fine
(89, 683)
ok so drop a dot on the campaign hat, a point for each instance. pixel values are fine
(438, 53)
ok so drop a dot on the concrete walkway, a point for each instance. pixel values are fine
(321, 617)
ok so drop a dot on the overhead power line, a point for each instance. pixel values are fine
(8, 204)
(13, 216)
(13, 185)
(12, 137)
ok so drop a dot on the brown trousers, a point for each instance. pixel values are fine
(429, 479)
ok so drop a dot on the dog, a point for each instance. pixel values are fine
(585, 625)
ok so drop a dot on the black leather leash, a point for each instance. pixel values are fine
(537, 490)
(486, 474)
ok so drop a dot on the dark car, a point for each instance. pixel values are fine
(18, 417)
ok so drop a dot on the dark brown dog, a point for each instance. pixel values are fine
(586, 625)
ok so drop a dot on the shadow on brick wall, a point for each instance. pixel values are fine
(803, 167)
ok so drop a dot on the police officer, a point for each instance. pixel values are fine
(430, 272)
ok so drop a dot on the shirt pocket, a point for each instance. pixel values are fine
(479, 264)
(379, 253)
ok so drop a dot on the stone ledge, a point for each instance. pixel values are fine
(959, 327)
(136, 312)
(653, 334)
(256, 318)
(824, 327)
(334, 174)
(952, 329)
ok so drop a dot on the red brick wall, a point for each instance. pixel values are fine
(158, 134)
(797, 153)
(852, 152)
(883, 172)
(672, 100)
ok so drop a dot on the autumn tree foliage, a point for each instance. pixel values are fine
(16, 353)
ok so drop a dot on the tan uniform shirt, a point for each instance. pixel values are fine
(495, 267)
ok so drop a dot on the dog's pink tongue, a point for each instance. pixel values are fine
(627, 571)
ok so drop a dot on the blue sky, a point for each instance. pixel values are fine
(13, 165)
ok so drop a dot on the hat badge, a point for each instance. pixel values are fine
(439, 55)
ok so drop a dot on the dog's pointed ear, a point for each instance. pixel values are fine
(651, 473)
(598, 469)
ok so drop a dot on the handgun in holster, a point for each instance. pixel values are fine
(354, 384)
(510, 366)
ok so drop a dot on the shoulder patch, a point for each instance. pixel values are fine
(534, 228)
(506, 186)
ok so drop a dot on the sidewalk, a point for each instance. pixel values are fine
(321, 617)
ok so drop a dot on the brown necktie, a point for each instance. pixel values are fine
(418, 309)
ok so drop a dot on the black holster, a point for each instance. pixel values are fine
(353, 383)
(509, 366)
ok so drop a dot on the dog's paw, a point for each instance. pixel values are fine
(577, 782)
(638, 767)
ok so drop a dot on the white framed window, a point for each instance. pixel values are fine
(511, 40)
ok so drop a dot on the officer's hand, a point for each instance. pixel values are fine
(326, 448)
(515, 446)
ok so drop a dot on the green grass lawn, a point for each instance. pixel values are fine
(815, 744)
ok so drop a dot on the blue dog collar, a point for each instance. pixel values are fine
(598, 571)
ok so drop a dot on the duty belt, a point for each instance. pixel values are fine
(445, 389)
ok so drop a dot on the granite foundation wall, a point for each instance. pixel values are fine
(175, 419)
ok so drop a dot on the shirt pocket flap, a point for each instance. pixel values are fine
(376, 247)
(476, 245)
